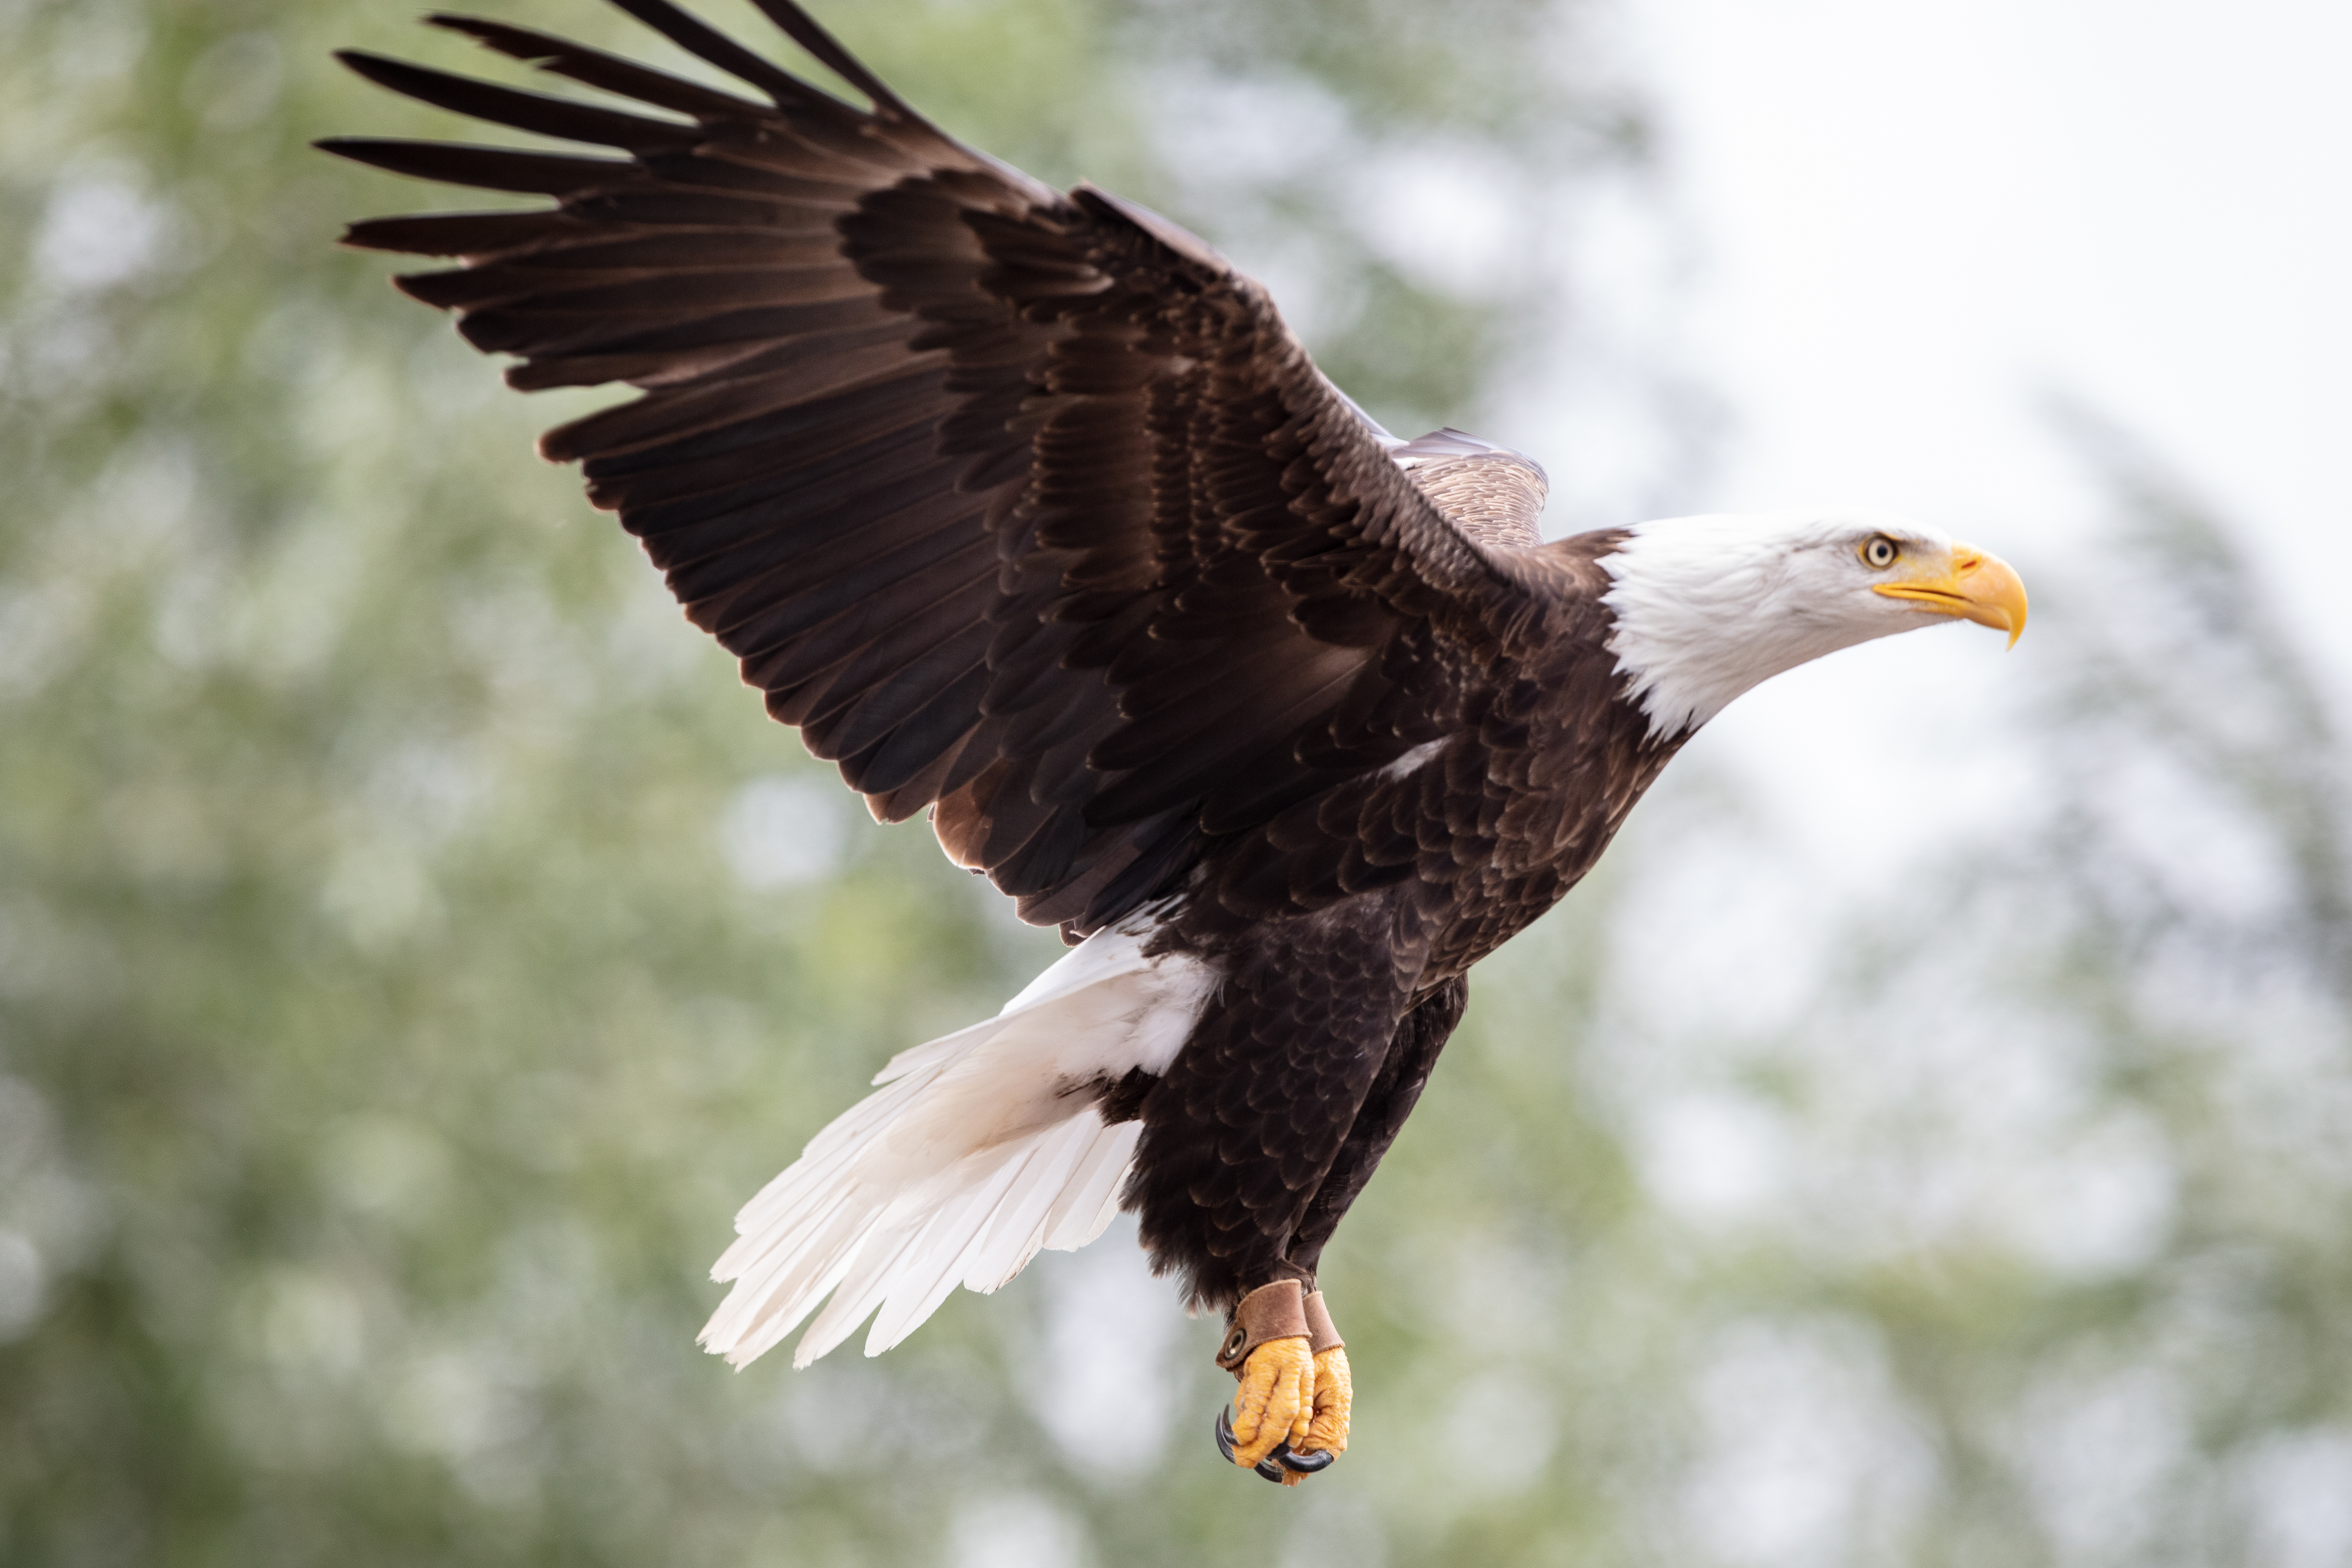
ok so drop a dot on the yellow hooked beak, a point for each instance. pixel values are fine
(1969, 584)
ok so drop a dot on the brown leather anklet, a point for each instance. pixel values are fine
(1321, 1334)
(1276, 1311)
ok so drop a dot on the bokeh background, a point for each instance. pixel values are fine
(1928, 1140)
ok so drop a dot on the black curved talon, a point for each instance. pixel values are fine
(1270, 1467)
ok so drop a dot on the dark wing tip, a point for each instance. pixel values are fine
(351, 237)
(803, 30)
(515, 43)
(381, 69)
(485, 168)
(458, 21)
(460, 233)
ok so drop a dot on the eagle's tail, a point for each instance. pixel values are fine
(980, 1148)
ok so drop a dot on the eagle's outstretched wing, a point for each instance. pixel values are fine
(1021, 505)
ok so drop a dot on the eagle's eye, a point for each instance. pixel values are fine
(1878, 551)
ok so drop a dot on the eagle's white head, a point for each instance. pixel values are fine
(1707, 606)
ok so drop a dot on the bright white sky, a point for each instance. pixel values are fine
(1915, 218)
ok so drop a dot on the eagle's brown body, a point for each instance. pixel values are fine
(1346, 926)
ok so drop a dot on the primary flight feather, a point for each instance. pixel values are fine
(1027, 510)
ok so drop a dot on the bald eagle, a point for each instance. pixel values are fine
(1027, 509)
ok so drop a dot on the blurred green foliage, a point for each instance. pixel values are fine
(414, 945)
(389, 1022)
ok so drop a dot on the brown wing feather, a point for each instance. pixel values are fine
(1024, 505)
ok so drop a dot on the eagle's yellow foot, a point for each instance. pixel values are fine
(1290, 1413)
(1335, 1396)
(1327, 1434)
(1274, 1407)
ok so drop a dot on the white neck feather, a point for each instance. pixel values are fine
(1706, 607)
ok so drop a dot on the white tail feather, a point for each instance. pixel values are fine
(977, 1151)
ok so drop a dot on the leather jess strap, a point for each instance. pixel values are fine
(1284, 1309)
(1276, 1311)
(1322, 1334)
